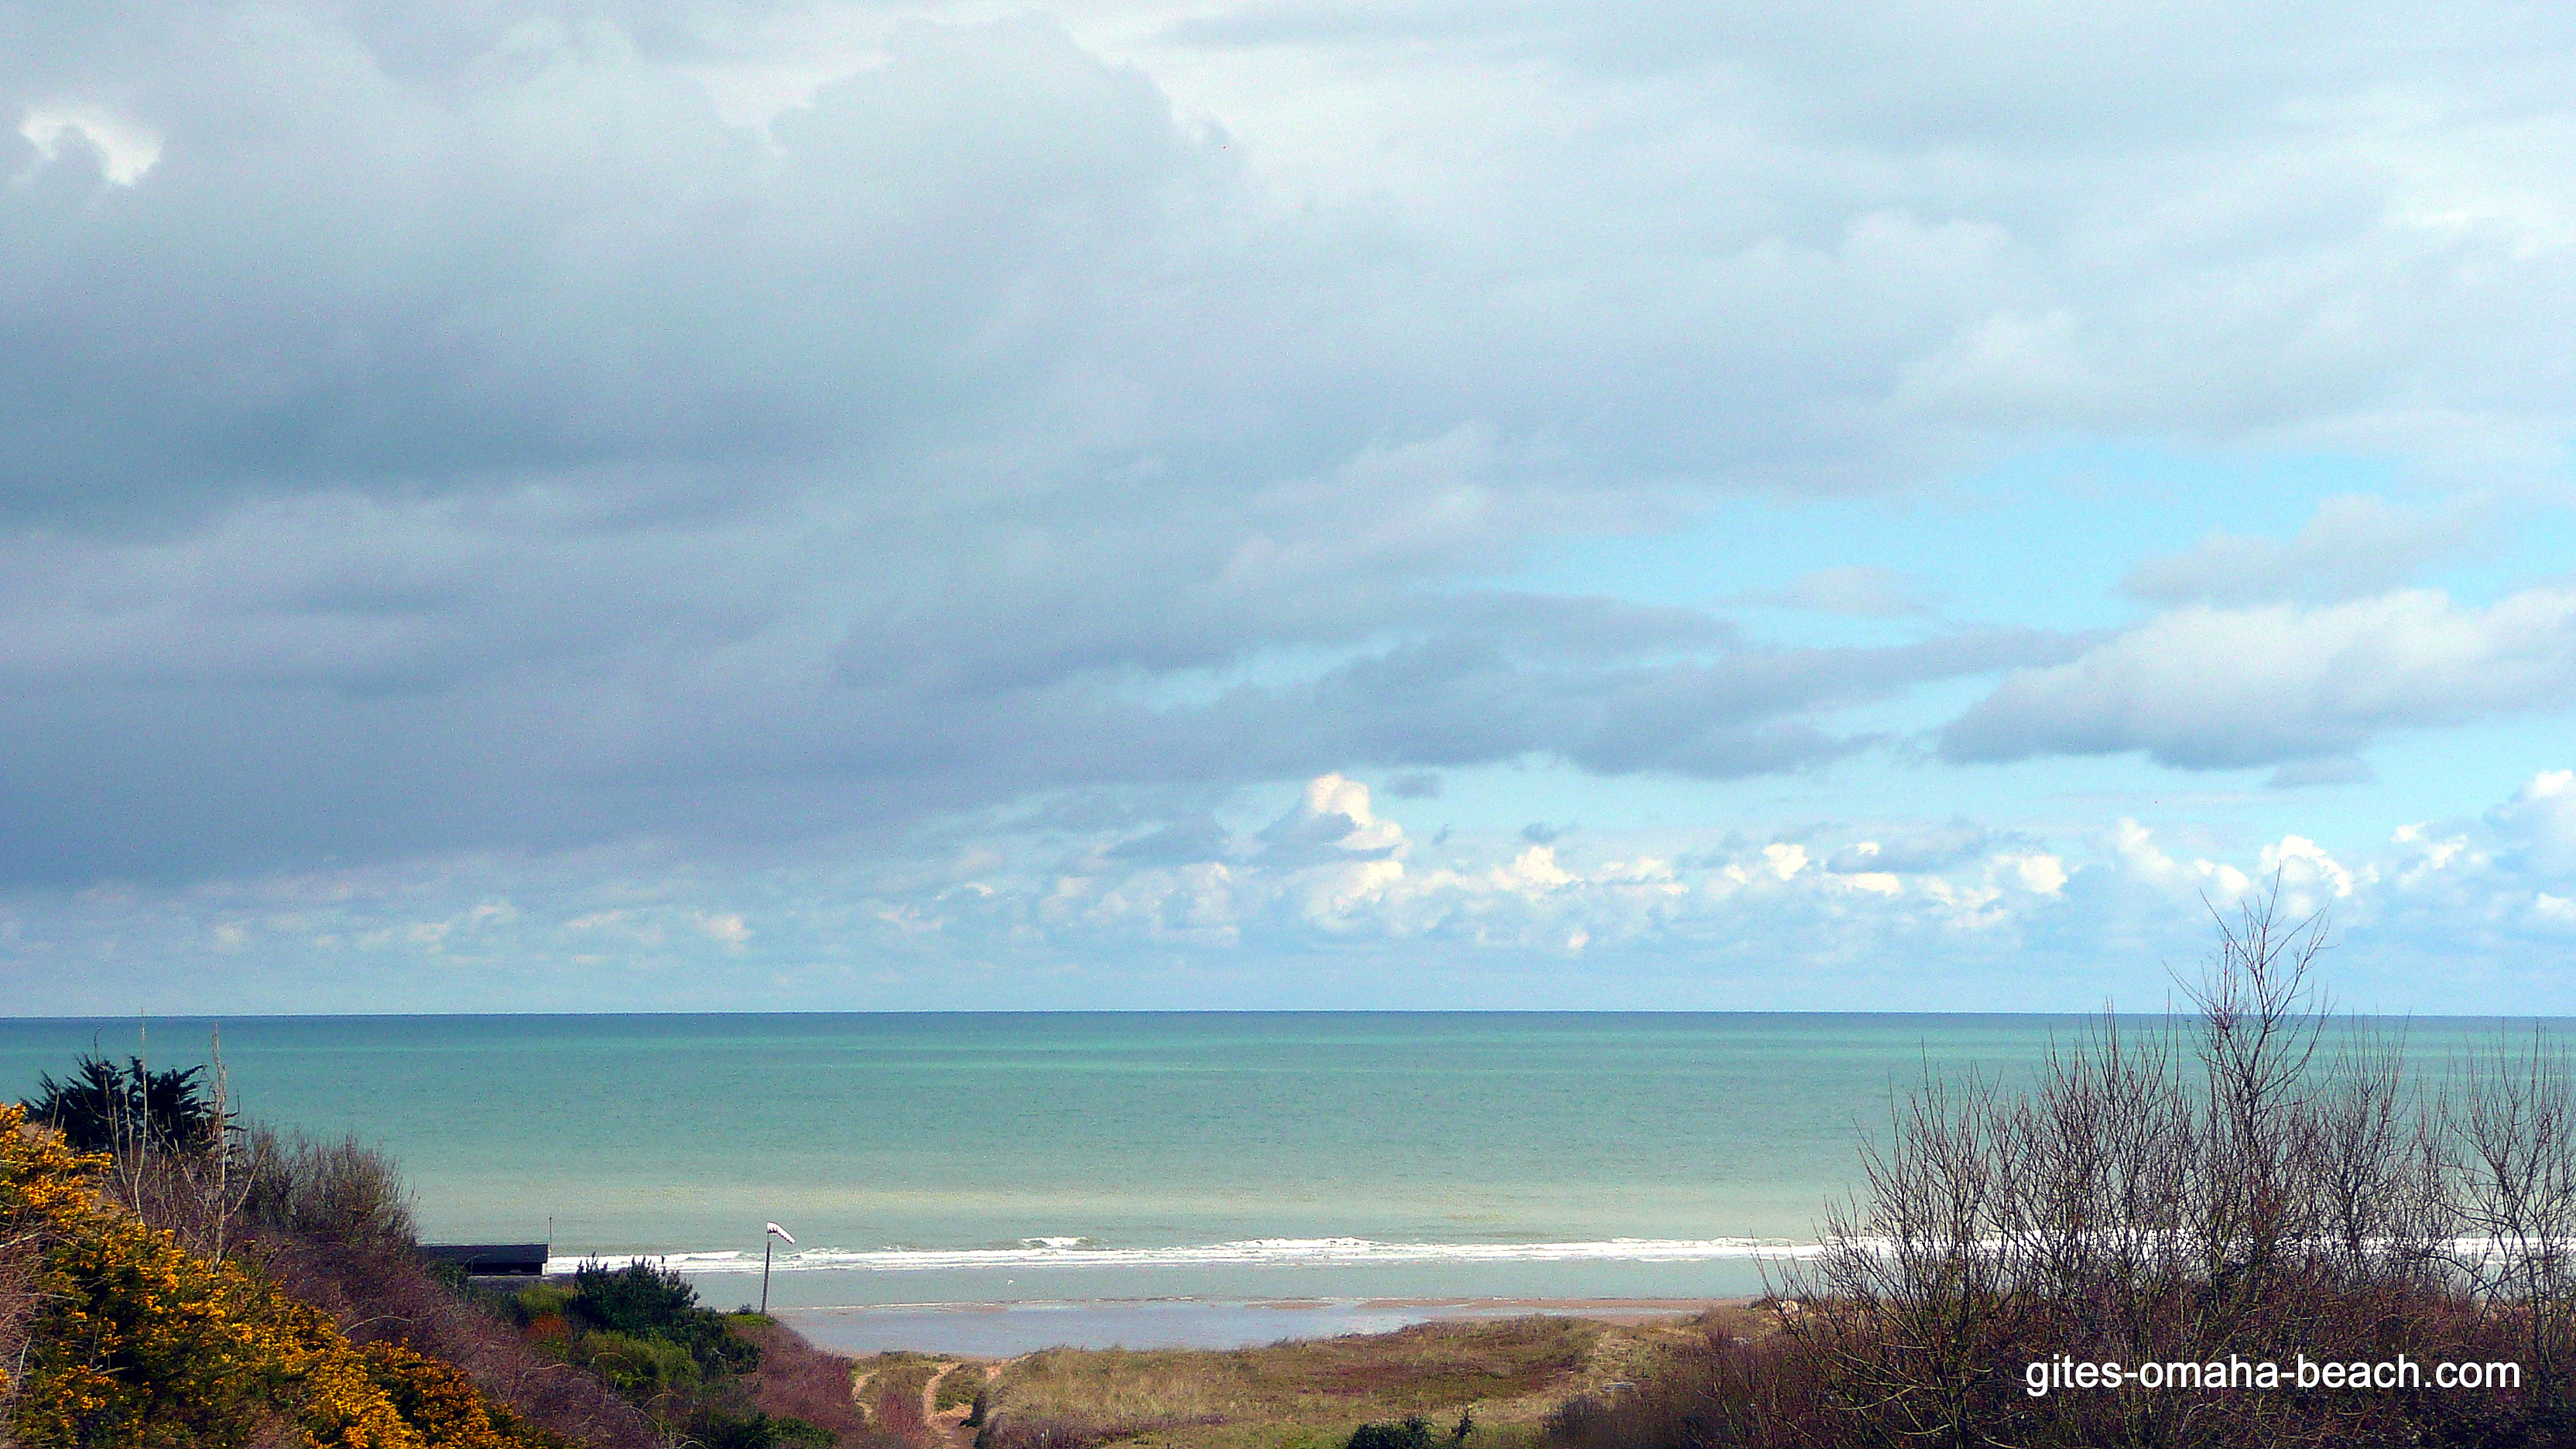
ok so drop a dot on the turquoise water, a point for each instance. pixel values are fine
(985, 1158)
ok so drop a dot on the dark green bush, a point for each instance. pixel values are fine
(715, 1429)
(653, 1304)
(1413, 1433)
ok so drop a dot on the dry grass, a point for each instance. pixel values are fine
(1311, 1392)
(20, 1259)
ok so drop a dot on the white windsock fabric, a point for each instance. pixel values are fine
(782, 1232)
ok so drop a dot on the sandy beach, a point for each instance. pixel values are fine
(1004, 1329)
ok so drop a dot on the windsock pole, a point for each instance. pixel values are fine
(773, 1230)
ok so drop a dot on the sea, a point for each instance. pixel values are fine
(991, 1182)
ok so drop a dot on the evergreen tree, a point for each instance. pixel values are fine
(104, 1106)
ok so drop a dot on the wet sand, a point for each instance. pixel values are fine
(999, 1330)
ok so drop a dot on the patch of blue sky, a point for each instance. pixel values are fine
(2520, 544)
(2043, 539)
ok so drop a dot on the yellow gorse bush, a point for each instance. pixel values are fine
(138, 1342)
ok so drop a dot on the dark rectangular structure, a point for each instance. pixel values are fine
(490, 1260)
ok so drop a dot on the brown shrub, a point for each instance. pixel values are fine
(1075, 1431)
(21, 1260)
(329, 1190)
(2245, 1187)
(381, 1291)
(1710, 1391)
(798, 1380)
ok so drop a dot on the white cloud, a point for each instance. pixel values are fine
(2442, 917)
(2354, 546)
(126, 152)
(2210, 688)
(726, 930)
(2539, 823)
(2135, 848)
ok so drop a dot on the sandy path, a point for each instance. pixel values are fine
(930, 1394)
(953, 1421)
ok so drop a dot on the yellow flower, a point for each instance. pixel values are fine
(141, 1342)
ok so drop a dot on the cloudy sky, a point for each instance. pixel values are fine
(713, 504)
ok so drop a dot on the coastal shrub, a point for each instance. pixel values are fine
(714, 1380)
(645, 1369)
(656, 1305)
(336, 1190)
(797, 1381)
(135, 1341)
(320, 1229)
(1711, 1389)
(381, 1291)
(637, 1298)
(2253, 1183)
(712, 1429)
(325, 1224)
(1413, 1433)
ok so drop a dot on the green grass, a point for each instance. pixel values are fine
(958, 1386)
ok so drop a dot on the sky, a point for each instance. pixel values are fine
(530, 505)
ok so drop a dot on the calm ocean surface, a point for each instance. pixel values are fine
(994, 1158)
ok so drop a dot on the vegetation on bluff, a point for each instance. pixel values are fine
(641, 1329)
(195, 1282)
(116, 1334)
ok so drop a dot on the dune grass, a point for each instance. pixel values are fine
(958, 1386)
(1309, 1393)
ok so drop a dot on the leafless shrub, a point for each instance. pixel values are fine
(2512, 1123)
(800, 1381)
(2258, 1180)
(333, 1190)
(1713, 1390)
